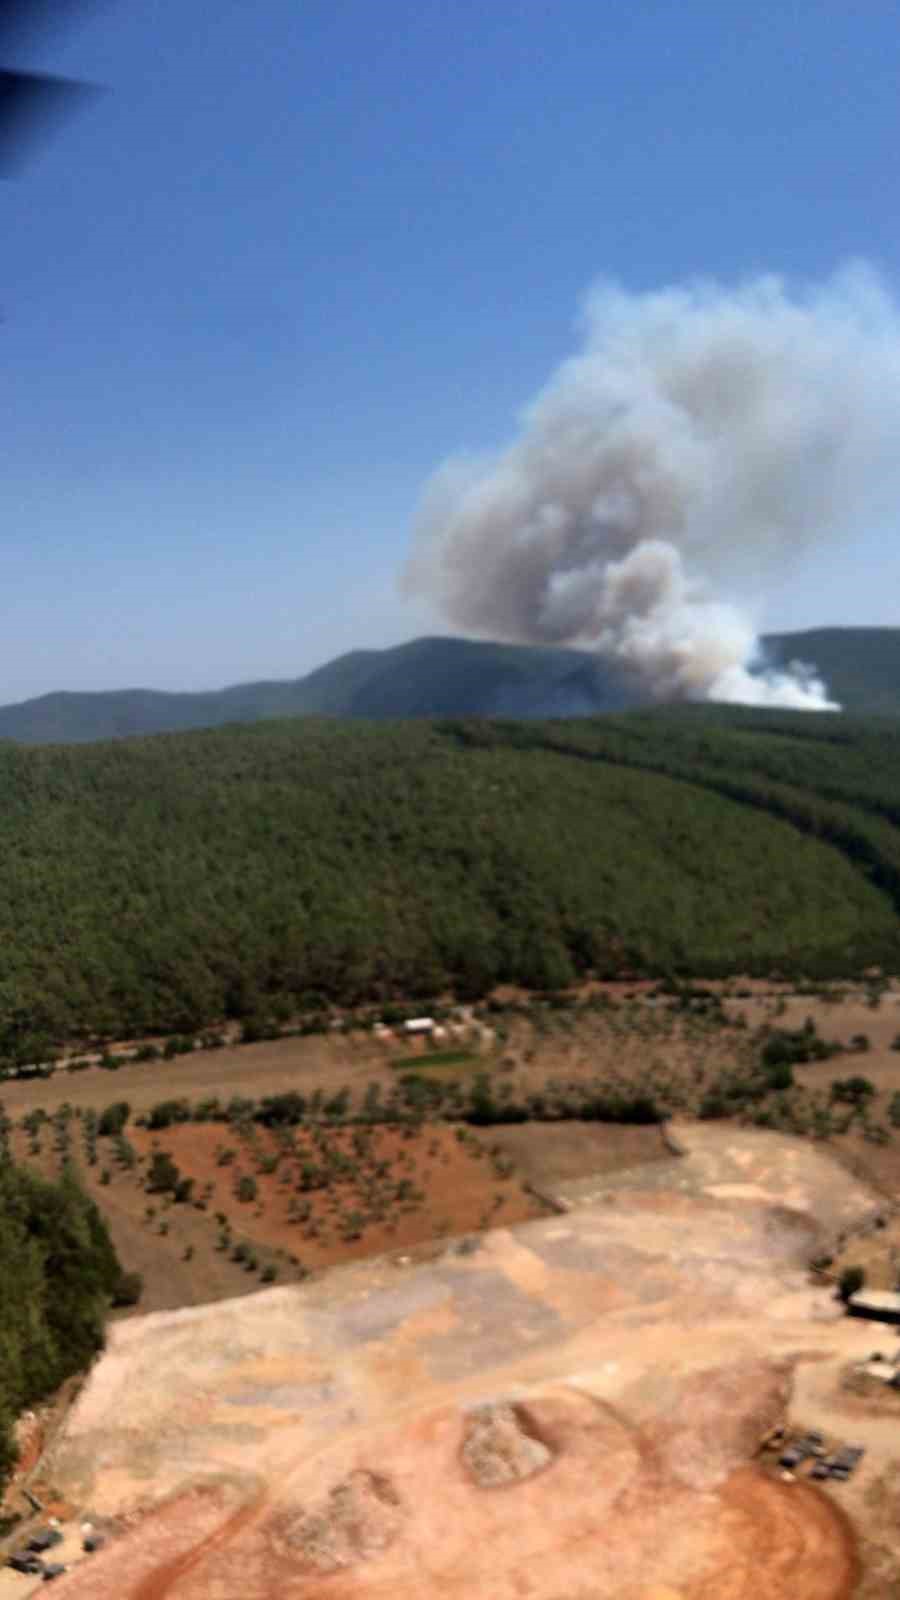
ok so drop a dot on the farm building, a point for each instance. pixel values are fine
(878, 1305)
(419, 1025)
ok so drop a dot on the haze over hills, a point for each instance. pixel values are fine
(444, 677)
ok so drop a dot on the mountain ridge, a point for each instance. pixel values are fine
(441, 676)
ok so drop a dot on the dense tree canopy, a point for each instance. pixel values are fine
(160, 884)
(59, 1273)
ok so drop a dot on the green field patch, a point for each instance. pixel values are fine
(435, 1058)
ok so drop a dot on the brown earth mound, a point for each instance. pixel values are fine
(499, 1449)
(357, 1521)
(717, 1418)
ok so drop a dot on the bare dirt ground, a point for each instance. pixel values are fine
(570, 1409)
(272, 1067)
(551, 1153)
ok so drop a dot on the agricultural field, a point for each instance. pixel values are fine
(396, 1145)
(204, 1211)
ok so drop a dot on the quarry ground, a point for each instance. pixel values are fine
(568, 1408)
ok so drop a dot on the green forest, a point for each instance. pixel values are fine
(59, 1274)
(163, 884)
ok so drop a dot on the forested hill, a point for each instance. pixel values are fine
(443, 677)
(426, 678)
(162, 884)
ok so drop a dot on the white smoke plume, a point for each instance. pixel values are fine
(669, 475)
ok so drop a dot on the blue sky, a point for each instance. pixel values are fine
(300, 252)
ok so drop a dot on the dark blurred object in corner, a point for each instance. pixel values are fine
(33, 104)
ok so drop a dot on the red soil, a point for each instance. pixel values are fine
(451, 1187)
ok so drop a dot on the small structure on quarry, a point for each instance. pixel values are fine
(878, 1305)
(884, 1371)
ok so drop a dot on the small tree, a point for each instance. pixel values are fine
(163, 1175)
(113, 1119)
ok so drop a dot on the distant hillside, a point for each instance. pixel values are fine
(861, 666)
(161, 884)
(442, 677)
(428, 677)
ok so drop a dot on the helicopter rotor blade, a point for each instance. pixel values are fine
(33, 104)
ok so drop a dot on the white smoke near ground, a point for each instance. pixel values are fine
(668, 477)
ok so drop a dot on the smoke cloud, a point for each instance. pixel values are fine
(669, 475)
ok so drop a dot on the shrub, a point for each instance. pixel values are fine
(781, 1076)
(206, 1110)
(128, 1289)
(239, 1109)
(247, 1188)
(163, 1175)
(338, 1105)
(713, 1105)
(167, 1112)
(852, 1091)
(253, 1029)
(281, 1110)
(796, 1045)
(113, 1119)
